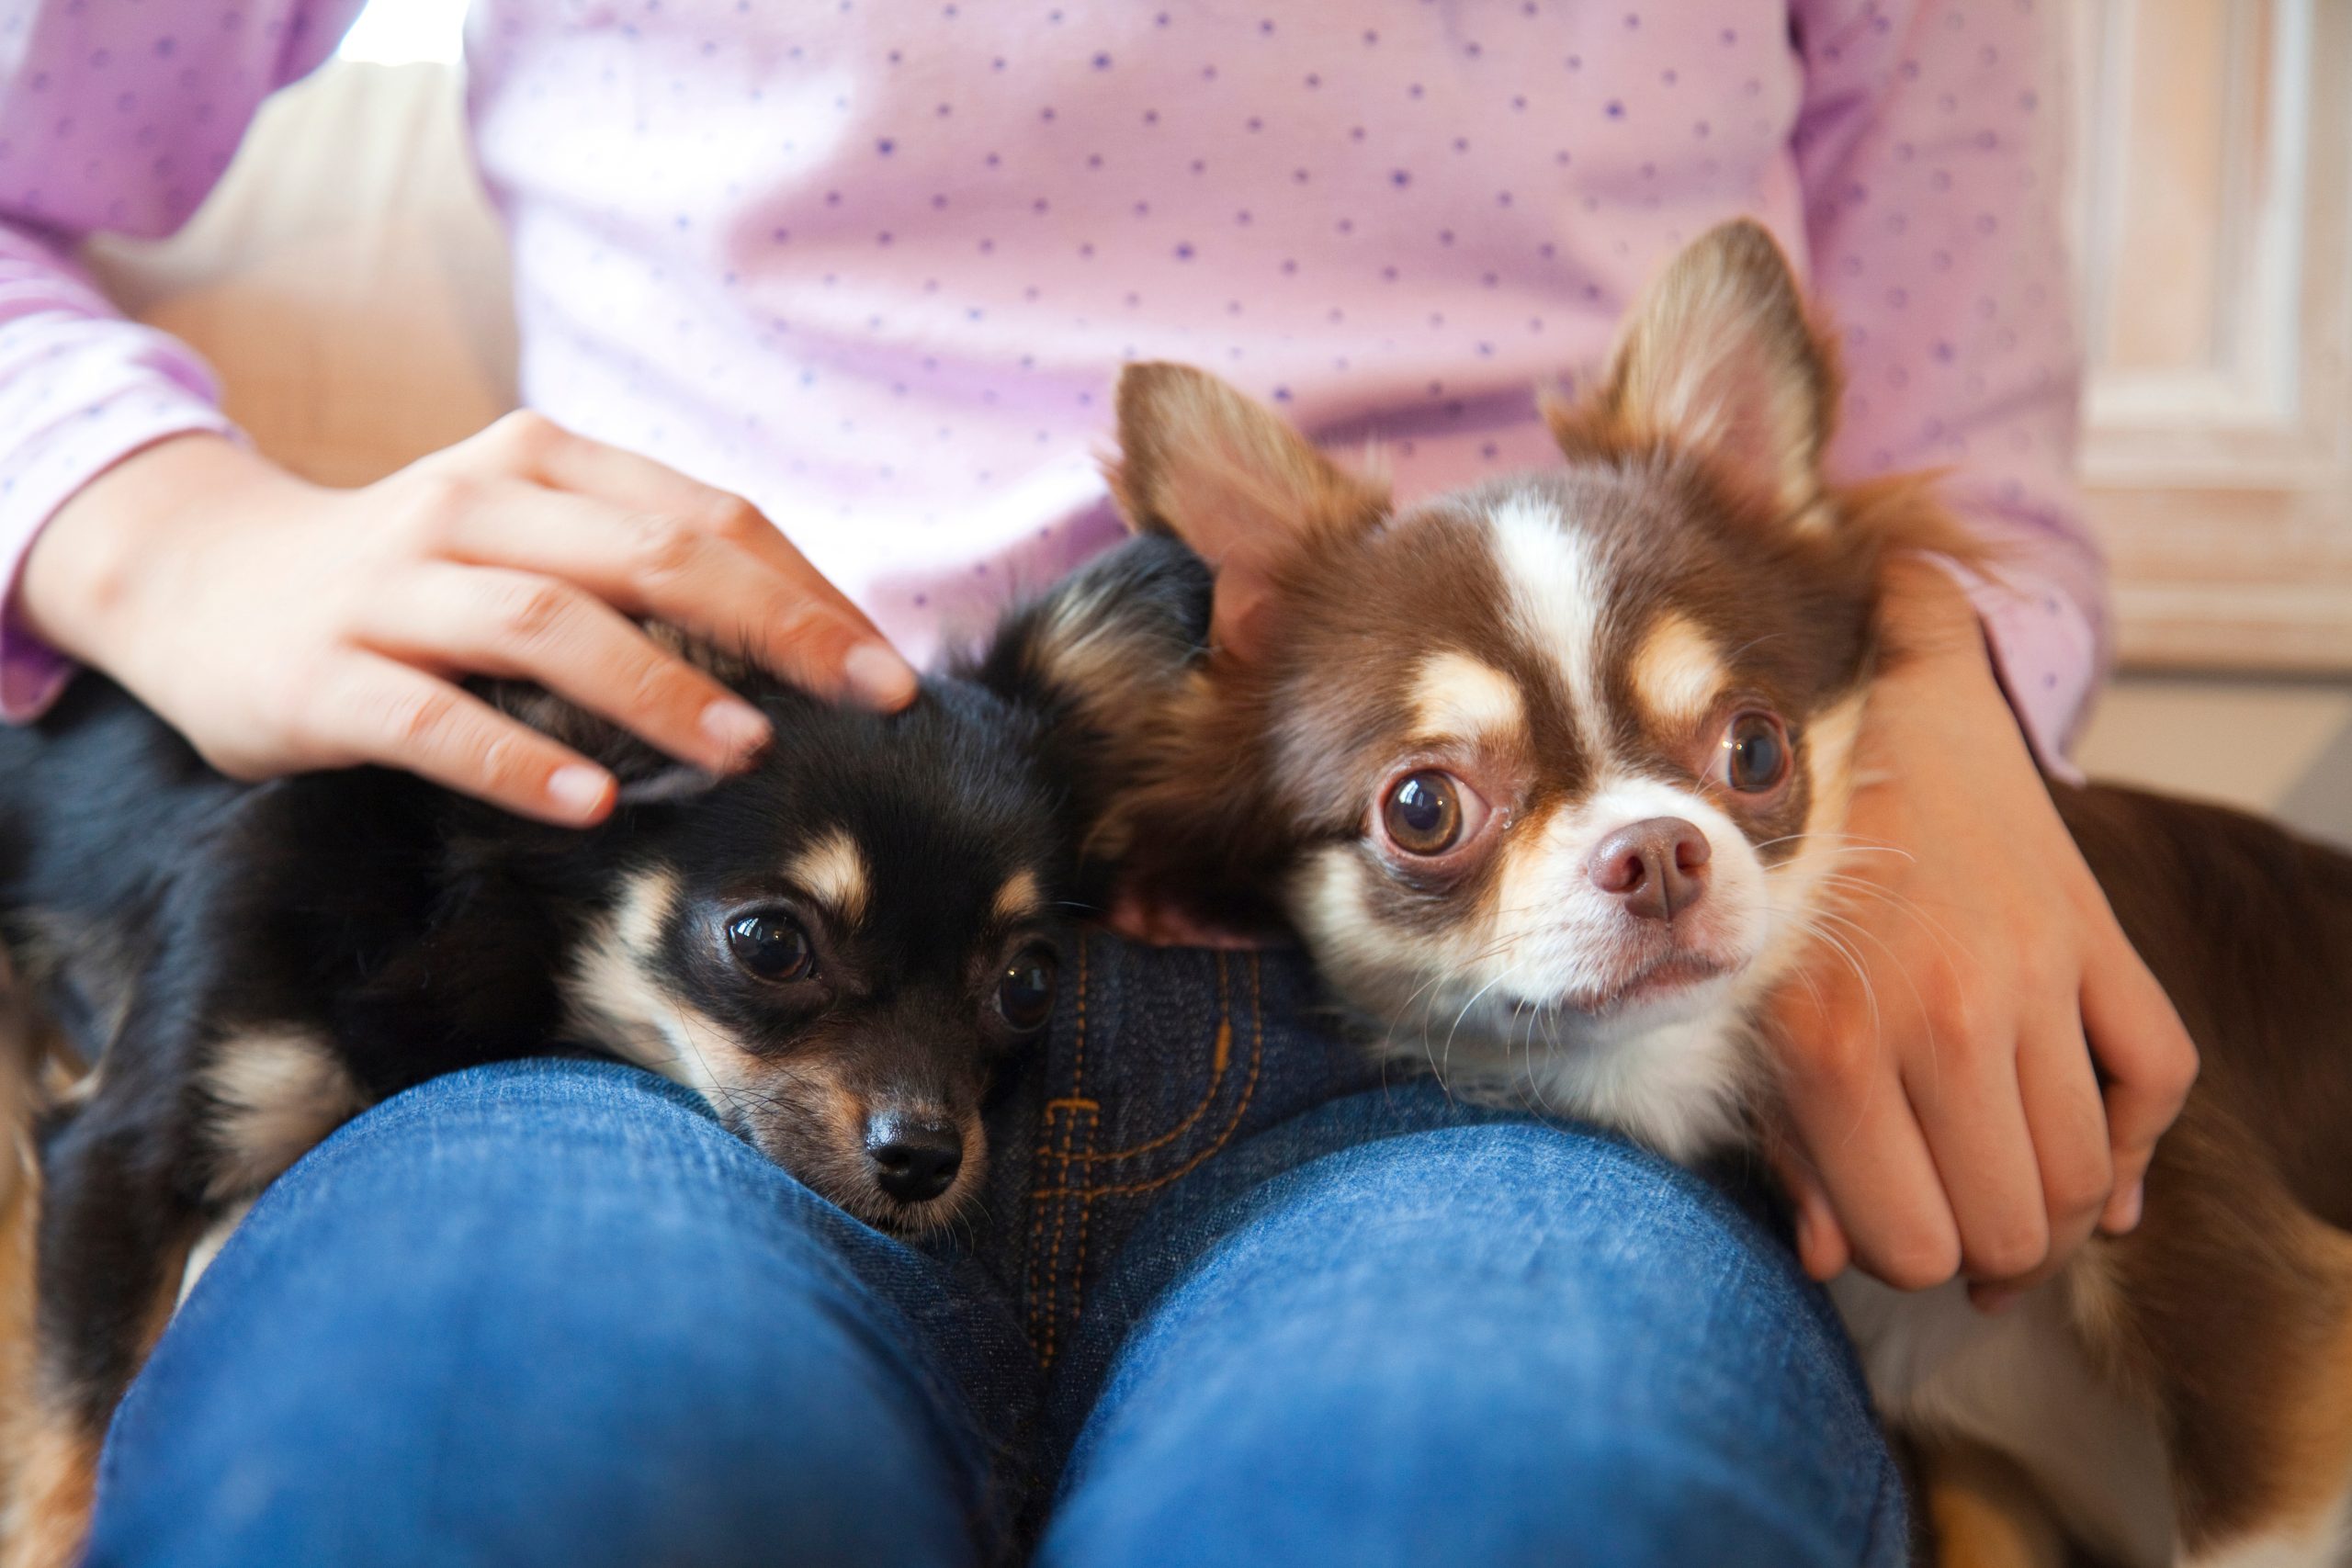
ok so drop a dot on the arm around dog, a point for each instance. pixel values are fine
(2003, 1092)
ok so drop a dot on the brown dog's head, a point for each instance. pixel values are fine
(1541, 771)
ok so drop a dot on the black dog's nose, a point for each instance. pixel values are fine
(914, 1161)
(1657, 866)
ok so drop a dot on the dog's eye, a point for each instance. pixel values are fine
(1428, 812)
(1755, 753)
(771, 945)
(1024, 992)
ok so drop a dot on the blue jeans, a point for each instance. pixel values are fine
(1231, 1303)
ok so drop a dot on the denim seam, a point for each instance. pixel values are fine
(1220, 1060)
(1044, 1300)
(1225, 1134)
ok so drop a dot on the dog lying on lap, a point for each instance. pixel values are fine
(837, 948)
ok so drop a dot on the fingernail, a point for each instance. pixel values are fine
(2127, 1212)
(735, 727)
(879, 676)
(580, 790)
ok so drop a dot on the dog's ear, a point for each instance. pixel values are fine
(1098, 663)
(1096, 654)
(1229, 476)
(1719, 358)
(647, 776)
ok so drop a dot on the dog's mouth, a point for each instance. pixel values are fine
(1638, 981)
(1658, 979)
(915, 1221)
(844, 1178)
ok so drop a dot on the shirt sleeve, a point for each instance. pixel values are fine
(121, 118)
(1931, 146)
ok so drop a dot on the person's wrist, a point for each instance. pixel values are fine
(80, 589)
(1922, 603)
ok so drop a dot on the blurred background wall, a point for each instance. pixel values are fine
(2210, 176)
(2211, 171)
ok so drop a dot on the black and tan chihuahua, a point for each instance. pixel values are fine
(835, 948)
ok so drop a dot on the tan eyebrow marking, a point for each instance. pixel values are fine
(1677, 672)
(1020, 898)
(1456, 695)
(832, 872)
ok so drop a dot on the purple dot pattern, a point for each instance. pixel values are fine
(875, 265)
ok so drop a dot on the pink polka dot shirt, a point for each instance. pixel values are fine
(875, 263)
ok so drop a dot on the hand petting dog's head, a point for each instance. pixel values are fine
(841, 945)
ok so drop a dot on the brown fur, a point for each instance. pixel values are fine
(2233, 1298)
(1693, 476)
(1982, 1512)
(49, 1514)
(1227, 765)
(24, 1052)
(54, 1440)
(1761, 393)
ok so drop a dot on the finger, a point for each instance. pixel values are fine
(1969, 1106)
(654, 565)
(2068, 1124)
(867, 664)
(378, 710)
(1822, 1247)
(1846, 1104)
(492, 621)
(2150, 1063)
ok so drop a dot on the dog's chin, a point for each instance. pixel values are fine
(1665, 985)
(914, 1222)
(1641, 976)
(870, 1205)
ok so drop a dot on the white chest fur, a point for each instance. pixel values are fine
(2017, 1384)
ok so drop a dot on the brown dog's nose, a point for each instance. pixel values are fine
(1657, 866)
(913, 1161)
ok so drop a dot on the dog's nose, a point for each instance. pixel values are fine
(1657, 866)
(913, 1161)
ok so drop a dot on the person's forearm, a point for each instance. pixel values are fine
(282, 626)
(79, 592)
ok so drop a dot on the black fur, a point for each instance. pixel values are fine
(161, 916)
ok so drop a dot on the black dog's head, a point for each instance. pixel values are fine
(838, 947)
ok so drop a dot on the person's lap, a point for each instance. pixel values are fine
(1404, 1331)
(549, 1312)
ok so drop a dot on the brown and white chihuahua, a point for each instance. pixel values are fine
(1550, 774)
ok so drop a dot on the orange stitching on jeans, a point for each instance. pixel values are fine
(1047, 1352)
(1077, 1270)
(1040, 1277)
(1078, 1050)
(1069, 1136)
(1220, 1056)
(1086, 1195)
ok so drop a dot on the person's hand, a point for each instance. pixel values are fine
(1938, 1073)
(282, 627)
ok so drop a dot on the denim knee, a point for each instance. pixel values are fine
(1489, 1344)
(544, 1313)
